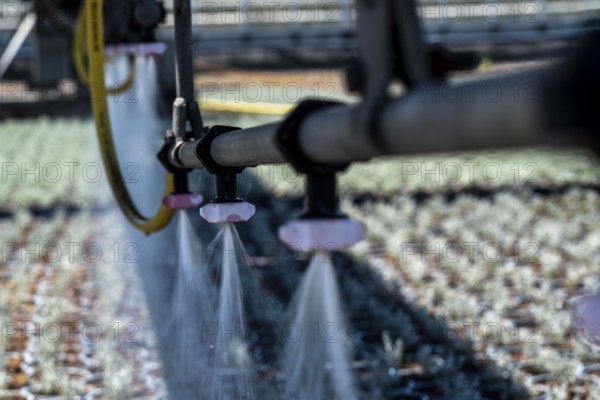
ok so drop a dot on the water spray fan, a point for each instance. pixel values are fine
(150, 49)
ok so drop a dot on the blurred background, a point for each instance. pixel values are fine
(463, 288)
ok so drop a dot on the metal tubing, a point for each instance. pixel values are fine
(183, 50)
(185, 59)
(187, 156)
(179, 118)
(470, 116)
(256, 146)
(485, 114)
(248, 147)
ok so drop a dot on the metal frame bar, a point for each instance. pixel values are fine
(16, 42)
(432, 118)
(185, 67)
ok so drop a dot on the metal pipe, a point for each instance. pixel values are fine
(183, 50)
(472, 115)
(179, 118)
(248, 147)
(243, 148)
(505, 112)
(184, 59)
(186, 157)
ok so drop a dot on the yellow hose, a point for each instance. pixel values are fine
(79, 55)
(95, 45)
(246, 107)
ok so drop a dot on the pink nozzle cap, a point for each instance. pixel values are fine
(137, 49)
(324, 234)
(185, 200)
(586, 316)
(227, 212)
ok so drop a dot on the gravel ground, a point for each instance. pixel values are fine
(72, 292)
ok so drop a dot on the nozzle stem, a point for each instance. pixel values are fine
(226, 188)
(321, 199)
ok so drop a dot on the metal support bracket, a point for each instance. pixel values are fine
(390, 46)
(204, 155)
(287, 139)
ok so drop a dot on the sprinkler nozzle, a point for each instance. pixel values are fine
(330, 234)
(227, 207)
(217, 212)
(136, 49)
(322, 225)
(182, 200)
(585, 316)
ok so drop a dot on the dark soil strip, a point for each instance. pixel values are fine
(48, 211)
(482, 193)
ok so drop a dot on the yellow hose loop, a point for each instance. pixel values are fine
(95, 44)
(79, 55)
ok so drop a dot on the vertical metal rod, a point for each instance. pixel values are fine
(185, 60)
(179, 118)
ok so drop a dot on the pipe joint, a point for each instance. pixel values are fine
(203, 151)
(288, 139)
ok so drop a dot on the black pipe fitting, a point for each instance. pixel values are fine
(145, 16)
(226, 177)
(205, 156)
(180, 175)
(321, 199)
(287, 139)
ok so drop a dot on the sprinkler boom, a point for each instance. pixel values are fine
(320, 139)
